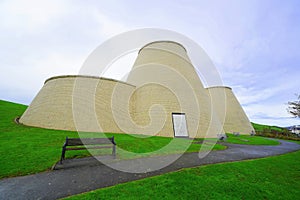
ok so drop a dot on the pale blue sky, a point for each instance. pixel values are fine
(255, 45)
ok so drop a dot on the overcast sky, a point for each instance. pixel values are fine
(255, 45)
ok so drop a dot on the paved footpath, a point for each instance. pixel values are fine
(74, 180)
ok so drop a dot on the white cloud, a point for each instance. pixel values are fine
(272, 114)
(30, 15)
(254, 95)
(30, 77)
(41, 39)
(106, 26)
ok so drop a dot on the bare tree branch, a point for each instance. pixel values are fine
(294, 107)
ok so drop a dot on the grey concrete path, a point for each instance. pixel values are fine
(74, 180)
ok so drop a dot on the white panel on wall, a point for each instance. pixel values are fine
(179, 124)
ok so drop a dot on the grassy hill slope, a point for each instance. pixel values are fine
(25, 150)
(261, 127)
(274, 132)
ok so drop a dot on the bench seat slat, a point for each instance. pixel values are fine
(94, 147)
(87, 141)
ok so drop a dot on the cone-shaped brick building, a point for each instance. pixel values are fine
(162, 96)
(235, 119)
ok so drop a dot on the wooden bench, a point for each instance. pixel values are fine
(88, 143)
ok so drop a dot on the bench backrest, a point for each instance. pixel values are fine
(88, 141)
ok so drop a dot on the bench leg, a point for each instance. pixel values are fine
(62, 155)
(114, 151)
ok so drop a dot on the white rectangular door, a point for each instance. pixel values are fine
(179, 124)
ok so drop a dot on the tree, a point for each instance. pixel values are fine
(294, 107)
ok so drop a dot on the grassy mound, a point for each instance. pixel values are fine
(274, 132)
(261, 127)
(26, 150)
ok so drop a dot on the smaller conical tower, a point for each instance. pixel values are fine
(235, 118)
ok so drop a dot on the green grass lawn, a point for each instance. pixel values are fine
(267, 178)
(274, 132)
(261, 127)
(26, 150)
(245, 139)
(250, 140)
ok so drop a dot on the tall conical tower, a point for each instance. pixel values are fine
(166, 80)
